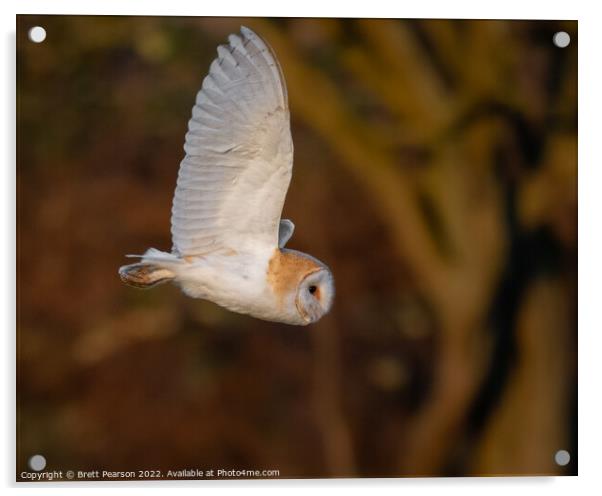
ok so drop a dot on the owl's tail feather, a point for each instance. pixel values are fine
(144, 276)
(155, 268)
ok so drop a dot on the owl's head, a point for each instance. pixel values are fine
(315, 294)
(303, 287)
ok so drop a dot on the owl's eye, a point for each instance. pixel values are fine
(312, 289)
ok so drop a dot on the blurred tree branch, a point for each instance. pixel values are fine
(459, 183)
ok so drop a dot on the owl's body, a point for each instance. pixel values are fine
(228, 238)
(234, 281)
(261, 283)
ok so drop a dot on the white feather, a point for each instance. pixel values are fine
(233, 181)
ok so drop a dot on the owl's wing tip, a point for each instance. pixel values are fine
(285, 232)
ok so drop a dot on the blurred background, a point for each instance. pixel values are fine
(435, 173)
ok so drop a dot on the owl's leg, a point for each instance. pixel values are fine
(144, 275)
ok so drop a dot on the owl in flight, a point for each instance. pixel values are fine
(228, 238)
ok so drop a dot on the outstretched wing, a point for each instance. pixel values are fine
(239, 153)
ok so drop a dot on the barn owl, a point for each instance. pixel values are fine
(228, 238)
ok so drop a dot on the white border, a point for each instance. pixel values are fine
(512, 9)
(590, 246)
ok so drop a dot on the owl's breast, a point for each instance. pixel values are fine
(233, 280)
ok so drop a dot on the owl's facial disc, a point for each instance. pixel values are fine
(315, 295)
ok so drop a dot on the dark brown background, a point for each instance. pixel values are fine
(435, 172)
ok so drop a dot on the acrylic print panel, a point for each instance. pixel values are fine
(434, 185)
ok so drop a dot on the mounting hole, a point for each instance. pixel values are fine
(37, 463)
(37, 34)
(562, 458)
(561, 39)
